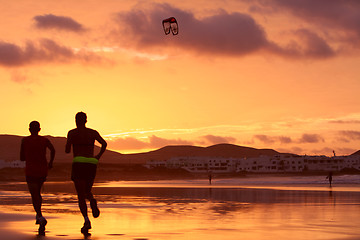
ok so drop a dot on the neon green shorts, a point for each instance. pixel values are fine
(81, 159)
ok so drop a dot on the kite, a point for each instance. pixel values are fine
(170, 24)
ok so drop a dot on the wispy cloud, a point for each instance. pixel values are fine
(151, 142)
(305, 138)
(265, 139)
(350, 135)
(127, 142)
(158, 142)
(300, 135)
(212, 139)
(341, 121)
(273, 139)
(42, 51)
(176, 131)
(311, 138)
(50, 21)
(125, 51)
(19, 76)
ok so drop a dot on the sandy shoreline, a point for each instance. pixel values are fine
(181, 210)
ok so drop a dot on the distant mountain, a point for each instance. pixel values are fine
(219, 150)
(10, 150)
(10, 147)
(355, 153)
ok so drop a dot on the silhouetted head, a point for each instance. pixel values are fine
(34, 127)
(80, 119)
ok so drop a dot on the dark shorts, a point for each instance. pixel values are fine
(83, 171)
(38, 180)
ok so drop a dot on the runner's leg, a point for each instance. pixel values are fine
(90, 196)
(80, 186)
(35, 191)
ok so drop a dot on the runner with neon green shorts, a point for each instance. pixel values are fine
(82, 140)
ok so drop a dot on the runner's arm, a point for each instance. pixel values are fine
(103, 145)
(52, 154)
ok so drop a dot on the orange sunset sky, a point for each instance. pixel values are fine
(280, 74)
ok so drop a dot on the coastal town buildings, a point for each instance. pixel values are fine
(288, 163)
(281, 163)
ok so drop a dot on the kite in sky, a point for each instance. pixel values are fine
(170, 24)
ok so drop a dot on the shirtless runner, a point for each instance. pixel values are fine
(84, 165)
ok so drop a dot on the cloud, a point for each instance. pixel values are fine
(311, 138)
(305, 138)
(224, 33)
(50, 21)
(19, 76)
(157, 142)
(127, 143)
(345, 121)
(343, 16)
(294, 150)
(45, 50)
(265, 139)
(234, 34)
(304, 44)
(316, 46)
(272, 139)
(131, 143)
(212, 139)
(322, 151)
(284, 139)
(351, 135)
(154, 142)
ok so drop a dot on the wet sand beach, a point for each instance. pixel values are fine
(190, 210)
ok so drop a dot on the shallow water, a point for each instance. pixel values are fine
(192, 210)
(319, 183)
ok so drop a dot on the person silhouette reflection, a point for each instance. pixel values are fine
(84, 165)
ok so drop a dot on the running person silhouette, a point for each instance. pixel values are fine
(84, 165)
(33, 152)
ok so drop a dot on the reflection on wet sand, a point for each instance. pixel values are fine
(187, 213)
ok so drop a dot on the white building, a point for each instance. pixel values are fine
(12, 164)
(277, 163)
(154, 164)
(204, 164)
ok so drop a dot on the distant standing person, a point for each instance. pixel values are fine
(33, 152)
(84, 165)
(329, 177)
